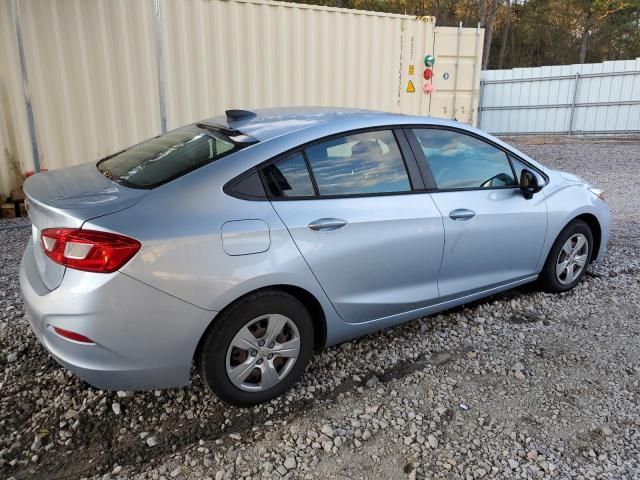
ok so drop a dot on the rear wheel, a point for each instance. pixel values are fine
(568, 258)
(257, 349)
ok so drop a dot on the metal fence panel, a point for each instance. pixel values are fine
(565, 99)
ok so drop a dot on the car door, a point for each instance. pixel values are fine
(372, 238)
(493, 235)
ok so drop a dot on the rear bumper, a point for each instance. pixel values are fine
(143, 338)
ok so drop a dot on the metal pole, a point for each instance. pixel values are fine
(455, 81)
(161, 87)
(475, 72)
(482, 87)
(573, 102)
(15, 12)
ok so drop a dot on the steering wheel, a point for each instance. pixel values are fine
(503, 177)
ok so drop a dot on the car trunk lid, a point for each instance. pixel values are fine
(67, 198)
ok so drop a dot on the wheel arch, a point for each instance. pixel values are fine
(596, 230)
(308, 300)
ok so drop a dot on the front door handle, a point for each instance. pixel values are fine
(462, 214)
(327, 224)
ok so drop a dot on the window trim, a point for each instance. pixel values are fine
(425, 168)
(420, 175)
(405, 154)
(413, 169)
(312, 175)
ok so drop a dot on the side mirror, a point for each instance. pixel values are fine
(528, 183)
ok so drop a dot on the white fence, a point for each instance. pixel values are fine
(599, 98)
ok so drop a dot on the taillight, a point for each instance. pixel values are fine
(88, 250)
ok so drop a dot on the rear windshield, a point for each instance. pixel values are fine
(165, 157)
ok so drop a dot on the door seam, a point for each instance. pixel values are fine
(307, 263)
(444, 243)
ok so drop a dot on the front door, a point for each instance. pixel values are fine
(493, 235)
(372, 241)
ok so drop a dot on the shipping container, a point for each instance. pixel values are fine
(99, 75)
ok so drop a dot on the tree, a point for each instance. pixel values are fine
(505, 34)
(529, 33)
(488, 33)
(590, 16)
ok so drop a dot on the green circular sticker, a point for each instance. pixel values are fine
(429, 60)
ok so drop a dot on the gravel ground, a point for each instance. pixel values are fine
(520, 385)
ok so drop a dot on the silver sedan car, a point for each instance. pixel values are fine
(243, 243)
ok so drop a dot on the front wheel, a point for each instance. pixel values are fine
(257, 349)
(568, 259)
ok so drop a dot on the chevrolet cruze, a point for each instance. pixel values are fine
(242, 243)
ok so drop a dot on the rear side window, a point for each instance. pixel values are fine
(363, 163)
(288, 177)
(460, 161)
(165, 157)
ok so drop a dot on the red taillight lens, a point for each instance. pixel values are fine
(88, 250)
(76, 337)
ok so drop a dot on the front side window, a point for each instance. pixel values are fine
(288, 177)
(462, 161)
(168, 156)
(363, 163)
(518, 166)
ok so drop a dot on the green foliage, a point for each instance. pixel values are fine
(551, 32)
(542, 32)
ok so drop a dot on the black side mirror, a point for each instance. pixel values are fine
(528, 183)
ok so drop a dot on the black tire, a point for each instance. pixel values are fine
(548, 278)
(212, 358)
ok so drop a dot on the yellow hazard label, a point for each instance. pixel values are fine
(411, 69)
(410, 87)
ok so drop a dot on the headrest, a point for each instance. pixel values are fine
(367, 147)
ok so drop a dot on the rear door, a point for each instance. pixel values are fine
(358, 213)
(493, 235)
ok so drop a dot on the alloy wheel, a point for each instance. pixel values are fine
(263, 352)
(572, 259)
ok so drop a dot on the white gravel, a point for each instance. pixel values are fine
(521, 385)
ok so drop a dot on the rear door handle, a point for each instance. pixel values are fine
(462, 214)
(327, 224)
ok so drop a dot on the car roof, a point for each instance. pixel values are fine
(298, 125)
(270, 123)
(280, 130)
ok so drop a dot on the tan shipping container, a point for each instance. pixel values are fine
(104, 74)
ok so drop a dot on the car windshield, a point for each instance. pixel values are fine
(168, 156)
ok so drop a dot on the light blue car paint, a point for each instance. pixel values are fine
(245, 237)
(396, 257)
